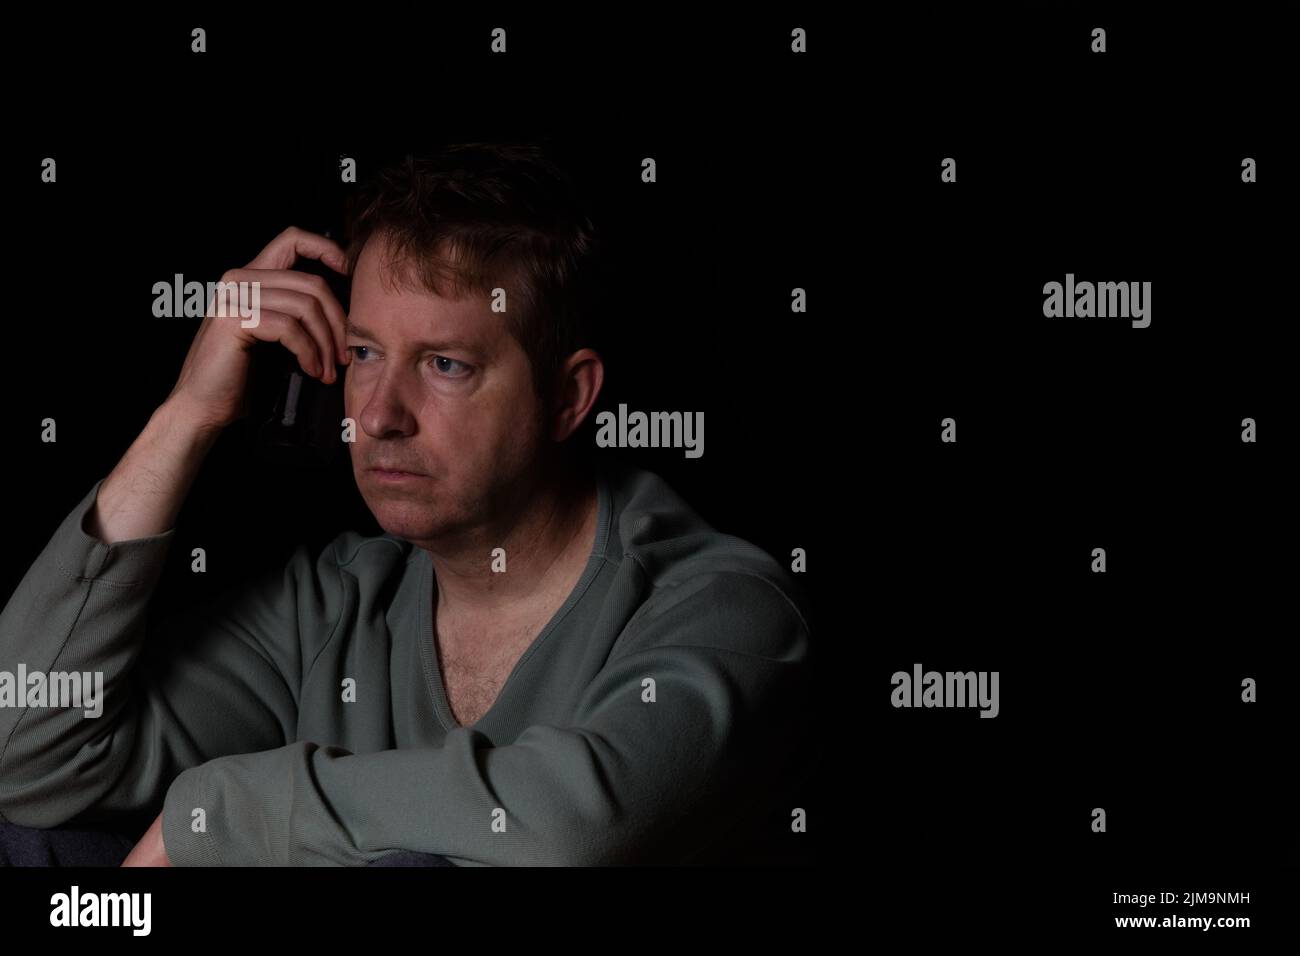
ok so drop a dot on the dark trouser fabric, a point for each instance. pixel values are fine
(72, 846)
(65, 846)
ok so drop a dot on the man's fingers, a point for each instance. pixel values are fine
(307, 284)
(306, 310)
(290, 332)
(286, 248)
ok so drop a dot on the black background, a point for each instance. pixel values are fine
(1119, 690)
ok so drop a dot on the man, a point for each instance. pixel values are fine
(538, 662)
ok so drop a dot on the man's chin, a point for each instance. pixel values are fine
(412, 530)
(413, 522)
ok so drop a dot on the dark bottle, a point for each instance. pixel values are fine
(301, 422)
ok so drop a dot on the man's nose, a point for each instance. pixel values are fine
(387, 409)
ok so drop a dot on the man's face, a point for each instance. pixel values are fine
(441, 389)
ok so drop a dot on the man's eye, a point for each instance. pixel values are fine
(460, 369)
(356, 351)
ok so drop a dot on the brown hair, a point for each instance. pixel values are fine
(475, 216)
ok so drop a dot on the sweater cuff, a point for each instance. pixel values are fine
(130, 563)
(184, 846)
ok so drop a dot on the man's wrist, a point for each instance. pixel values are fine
(181, 418)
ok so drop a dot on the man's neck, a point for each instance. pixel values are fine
(551, 534)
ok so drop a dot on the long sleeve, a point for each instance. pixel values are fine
(175, 693)
(628, 780)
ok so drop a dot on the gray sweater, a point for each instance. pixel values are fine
(655, 719)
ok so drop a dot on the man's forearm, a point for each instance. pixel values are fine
(143, 495)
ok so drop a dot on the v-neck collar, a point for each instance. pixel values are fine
(425, 638)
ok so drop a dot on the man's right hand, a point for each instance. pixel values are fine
(297, 309)
(143, 494)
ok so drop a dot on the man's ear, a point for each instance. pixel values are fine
(577, 386)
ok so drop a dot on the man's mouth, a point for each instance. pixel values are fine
(393, 474)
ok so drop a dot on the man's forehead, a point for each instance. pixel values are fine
(398, 270)
(423, 320)
(419, 330)
(389, 302)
